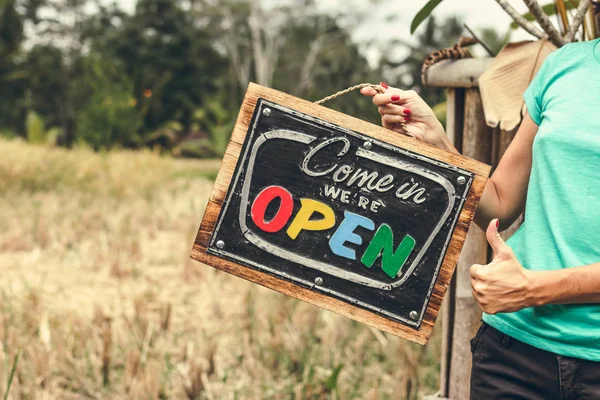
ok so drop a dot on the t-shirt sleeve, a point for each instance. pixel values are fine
(535, 92)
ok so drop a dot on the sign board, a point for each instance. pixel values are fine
(338, 212)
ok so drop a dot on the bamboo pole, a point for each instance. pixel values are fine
(520, 20)
(536, 10)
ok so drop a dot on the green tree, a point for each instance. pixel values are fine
(172, 63)
(14, 14)
(46, 86)
(107, 113)
(64, 27)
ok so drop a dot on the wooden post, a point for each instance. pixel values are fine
(468, 131)
(454, 128)
(477, 144)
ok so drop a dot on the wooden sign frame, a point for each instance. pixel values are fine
(478, 171)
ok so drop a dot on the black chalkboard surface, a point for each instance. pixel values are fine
(339, 213)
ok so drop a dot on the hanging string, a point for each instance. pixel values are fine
(377, 88)
(350, 89)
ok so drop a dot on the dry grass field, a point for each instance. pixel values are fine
(100, 300)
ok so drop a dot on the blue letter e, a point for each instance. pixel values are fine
(345, 233)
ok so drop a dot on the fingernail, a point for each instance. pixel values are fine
(382, 84)
(395, 97)
(497, 223)
(406, 111)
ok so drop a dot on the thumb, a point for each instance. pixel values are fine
(368, 91)
(500, 248)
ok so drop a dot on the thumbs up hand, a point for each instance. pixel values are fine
(503, 285)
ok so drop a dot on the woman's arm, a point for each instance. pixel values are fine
(504, 285)
(568, 285)
(505, 191)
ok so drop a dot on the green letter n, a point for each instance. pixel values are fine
(383, 242)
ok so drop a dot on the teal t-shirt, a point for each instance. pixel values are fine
(562, 212)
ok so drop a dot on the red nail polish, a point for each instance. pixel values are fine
(406, 111)
(395, 97)
(497, 223)
(383, 85)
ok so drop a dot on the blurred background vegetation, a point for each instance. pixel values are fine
(98, 297)
(171, 74)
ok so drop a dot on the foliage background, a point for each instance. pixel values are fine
(172, 73)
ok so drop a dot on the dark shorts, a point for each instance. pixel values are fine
(506, 368)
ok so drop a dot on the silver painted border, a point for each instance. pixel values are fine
(325, 267)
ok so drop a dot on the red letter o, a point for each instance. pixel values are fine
(259, 207)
